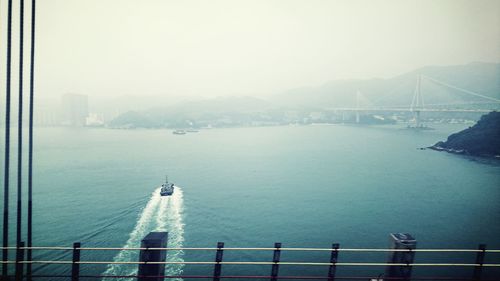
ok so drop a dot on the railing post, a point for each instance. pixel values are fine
(401, 241)
(276, 259)
(218, 259)
(479, 260)
(19, 259)
(151, 272)
(75, 266)
(333, 259)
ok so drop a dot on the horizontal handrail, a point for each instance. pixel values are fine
(261, 263)
(364, 278)
(252, 249)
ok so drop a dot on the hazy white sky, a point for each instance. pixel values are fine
(253, 47)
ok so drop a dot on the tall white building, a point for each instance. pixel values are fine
(75, 110)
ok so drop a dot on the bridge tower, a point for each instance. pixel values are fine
(417, 104)
(358, 97)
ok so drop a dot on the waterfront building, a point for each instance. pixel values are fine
(75, 110)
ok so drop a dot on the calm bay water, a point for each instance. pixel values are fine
(304, 186)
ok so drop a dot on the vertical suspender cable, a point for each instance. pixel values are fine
(5, 252)
(20, 125)
(30, 138)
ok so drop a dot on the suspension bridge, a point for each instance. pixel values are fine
(480, 103)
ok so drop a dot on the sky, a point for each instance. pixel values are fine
(200, 48)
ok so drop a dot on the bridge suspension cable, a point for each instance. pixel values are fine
(6, 175)
(460, 89)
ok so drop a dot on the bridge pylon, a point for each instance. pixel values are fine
(358, 97)
(417, 103)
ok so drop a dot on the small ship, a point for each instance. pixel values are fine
(179, 132)
(167, 188)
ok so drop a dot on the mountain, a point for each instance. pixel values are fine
(196, 113)
(297, 105)
(482, 78)
(134, 119)
(222, 105)
(482, 139)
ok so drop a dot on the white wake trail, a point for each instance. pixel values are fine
(170, 219)
(160, 214)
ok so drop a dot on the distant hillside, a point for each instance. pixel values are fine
(483, 139)
(296, 105)
(195, 113)
(134, 119)
(222, 104)
(483, 78)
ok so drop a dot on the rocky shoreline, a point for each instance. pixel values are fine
(482, 139)
(436, 147)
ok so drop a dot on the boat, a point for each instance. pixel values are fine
(167, 188)
(179, 132)
(419, 128)
(192, 131)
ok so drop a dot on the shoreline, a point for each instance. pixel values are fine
(461, 152)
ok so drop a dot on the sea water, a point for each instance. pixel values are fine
(303, 186)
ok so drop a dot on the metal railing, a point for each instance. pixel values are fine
(275, 263)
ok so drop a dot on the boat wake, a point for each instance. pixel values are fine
(162, 213)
